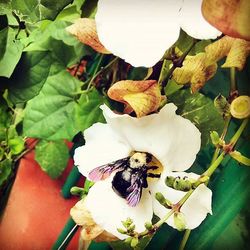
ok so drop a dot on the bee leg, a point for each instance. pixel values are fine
(151, 175)
(152, 168)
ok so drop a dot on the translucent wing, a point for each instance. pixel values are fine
(104, 171)
(135, 194)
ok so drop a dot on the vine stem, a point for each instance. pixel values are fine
(215, 164)
(176, 63)
(185, 239)
(233, 79)
(101, 70)
(224, 132)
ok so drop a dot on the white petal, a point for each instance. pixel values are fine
(192, 21)
(197, 206)
(102, 146)
(171, 194)
(195, 209)
(173, 140)
(108, 209)
(138, 31)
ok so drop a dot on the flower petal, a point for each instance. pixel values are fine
(195, 209)
(197, 206)
(173, 140)
(138, 31)
(108, 209)
(102, 146)
(192, 21)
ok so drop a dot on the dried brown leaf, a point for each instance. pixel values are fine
(143, 97)
(85, 31)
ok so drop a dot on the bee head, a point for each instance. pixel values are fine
(138, 159)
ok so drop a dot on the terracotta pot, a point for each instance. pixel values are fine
(36, 212)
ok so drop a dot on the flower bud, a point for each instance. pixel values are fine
(127, 223)
(134, 242)
(121, 231)
(148, 225)
(77, 191)
(128, 240)
(179, 221)
(240, 107)
(215, 138)
(162, 200)
(169, 181)
(222, 105)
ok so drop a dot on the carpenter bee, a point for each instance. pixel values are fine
(130, 176)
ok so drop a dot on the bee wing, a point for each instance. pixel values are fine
(134, 197)
(104, 171)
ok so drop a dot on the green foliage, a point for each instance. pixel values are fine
(87, 111)
(5, 170)
(37, 10)
(10, 51)
(30, 75)
(50, 115)
(200, 110)
(52, 157)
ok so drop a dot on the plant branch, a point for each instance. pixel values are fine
(177, 63)
(100, 71)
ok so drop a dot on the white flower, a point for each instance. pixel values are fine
(171, 139)
(141, 31)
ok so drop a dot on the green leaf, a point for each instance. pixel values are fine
(5, 7)
(88, 110)
(52, 156)
(200, 110)
(172, 87)
(5, 170)
(5, 119)
(54, 37)
(13, 51)
(37, 10)
(29, 76)
(3, 41)
(89, 8)
(50, 115)
(138, 73)
(16, 145)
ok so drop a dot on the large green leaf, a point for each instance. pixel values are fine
(200, 110)
(52, 36)
(12, 52)
(29, 76)
(88, 110)
(50, 115)
(52, 157)
(37, 10)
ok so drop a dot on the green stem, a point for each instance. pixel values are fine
(214, 165)
(237, 135)
(100, 71)
(176, 64)
(222, 137)
(95, 71)
(185, 239)
(233, 79)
